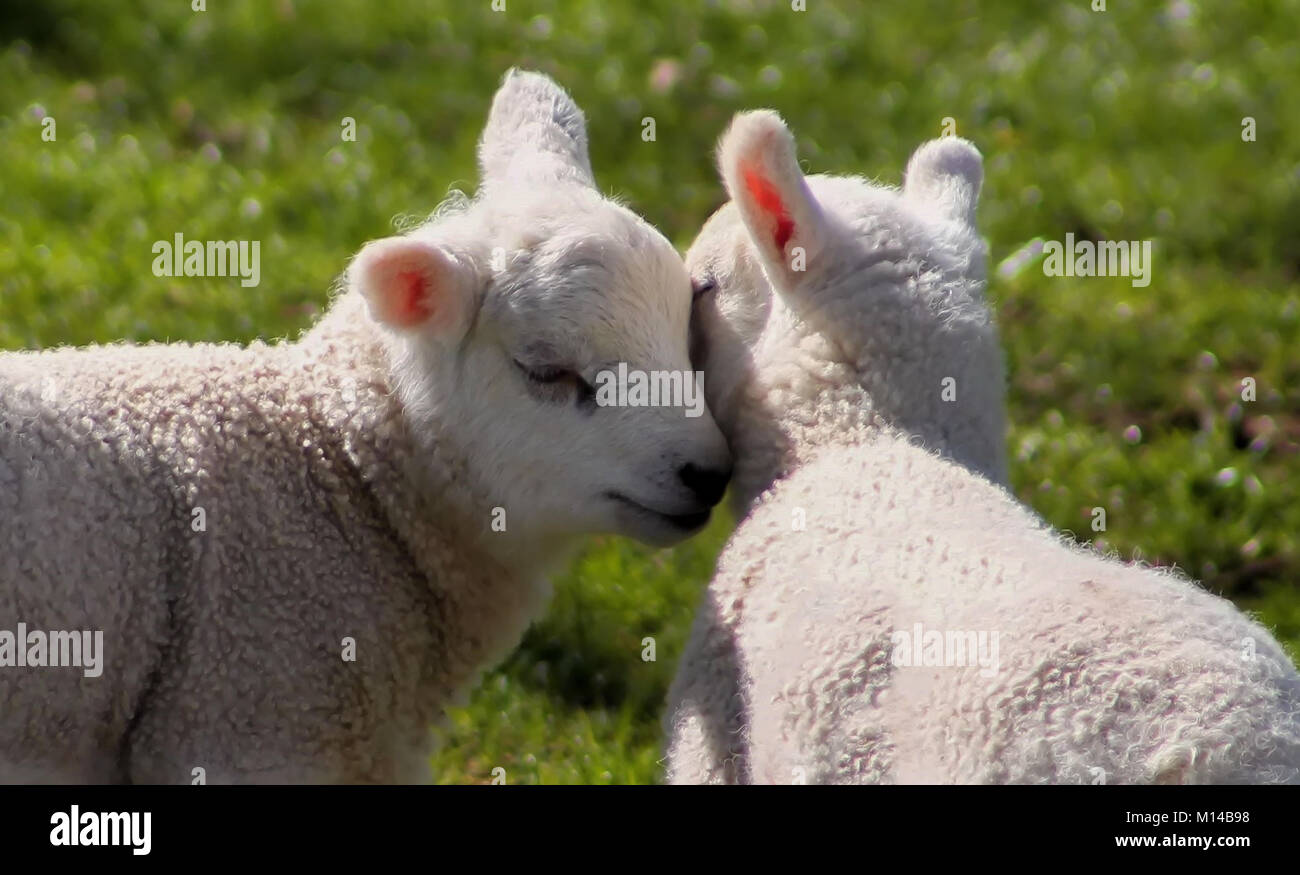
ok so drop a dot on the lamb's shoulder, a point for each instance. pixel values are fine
(847, 505)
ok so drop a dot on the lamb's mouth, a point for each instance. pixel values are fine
(683, 521)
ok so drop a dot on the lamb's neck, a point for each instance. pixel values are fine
(850, 381)
(783, 425)
(422, 481)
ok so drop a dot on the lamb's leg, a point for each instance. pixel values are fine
(706, 716)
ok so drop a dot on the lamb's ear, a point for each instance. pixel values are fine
(946, 174)
(761, 171)
(534, 132)
(412, 284)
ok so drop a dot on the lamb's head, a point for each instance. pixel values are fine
(508, 318)
(830, 292)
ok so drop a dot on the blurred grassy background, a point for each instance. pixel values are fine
(1124, 124)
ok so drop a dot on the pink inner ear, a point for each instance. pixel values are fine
(768, 199)
(412, 303)
(408, 283)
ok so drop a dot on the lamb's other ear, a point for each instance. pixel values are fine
(946, 174)
(534, 132)
(761, 171)
(412, 284)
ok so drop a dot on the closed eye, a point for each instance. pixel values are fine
(545, 374)
(555, 382)
(700, 288)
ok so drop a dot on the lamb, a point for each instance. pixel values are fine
(298, 554)
(886, 612)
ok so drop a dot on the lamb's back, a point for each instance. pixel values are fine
(1103, 671)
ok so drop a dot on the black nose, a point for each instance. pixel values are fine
(707, 485)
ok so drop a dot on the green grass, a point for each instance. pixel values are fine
(1124, 124)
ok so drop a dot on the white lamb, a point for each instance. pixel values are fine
(298, 554)
(887, 612)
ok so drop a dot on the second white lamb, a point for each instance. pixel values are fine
(886, 610)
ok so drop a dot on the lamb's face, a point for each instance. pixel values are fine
(597, 295)
(528, 327)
